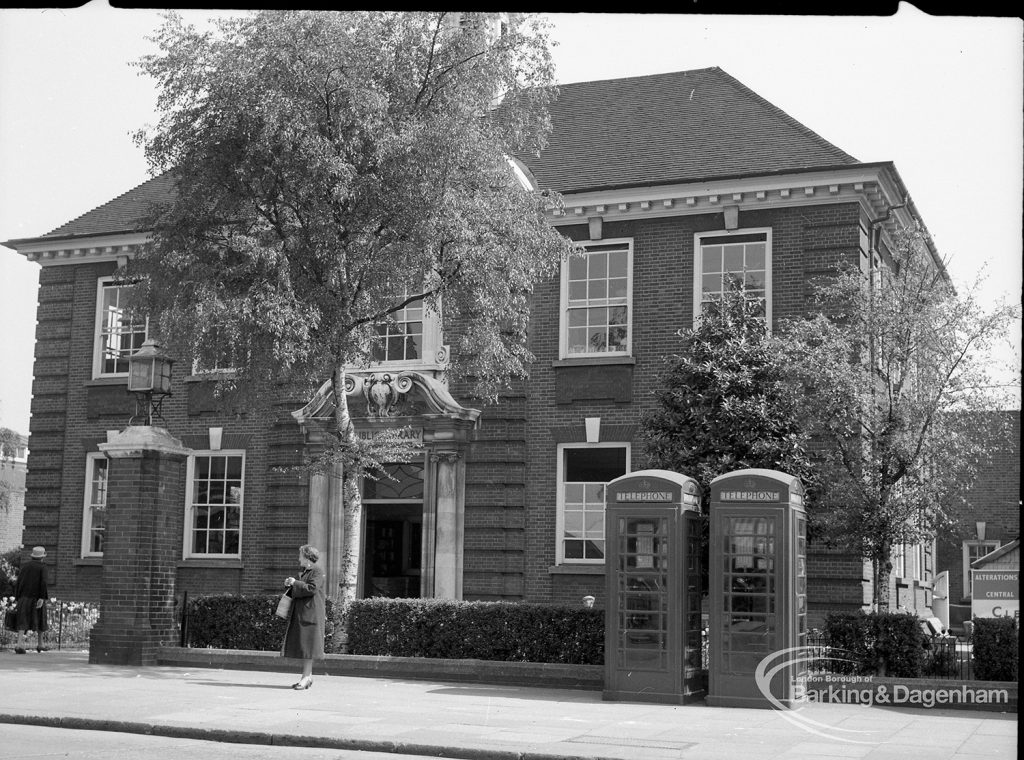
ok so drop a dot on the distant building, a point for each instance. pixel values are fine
(672, 183)
(992, 514)
(13, 466)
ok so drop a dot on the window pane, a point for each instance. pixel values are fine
(593, 280)
(118, 334)
(618, 264)
(216, 545)
(617, 288)
(711, 259)
(217, 483)
(733, 258)
(578, 340)
(594, 550)
(217, 467)
(755, 255)
(573, 523)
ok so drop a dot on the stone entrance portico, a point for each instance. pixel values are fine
(421, 404)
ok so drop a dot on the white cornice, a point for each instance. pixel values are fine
(871, 186)
(58, 251)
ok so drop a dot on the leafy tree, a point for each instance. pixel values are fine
(894, 372)
(9, 442)
(727, 401)
(331, 169)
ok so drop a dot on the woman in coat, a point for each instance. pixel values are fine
(31, 593)
(304, 639)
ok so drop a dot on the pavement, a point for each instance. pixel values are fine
(470, 721)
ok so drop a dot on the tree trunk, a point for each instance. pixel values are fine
(353, 506)
(883, 572)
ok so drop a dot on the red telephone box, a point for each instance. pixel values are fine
(653, 623)
(758, 595)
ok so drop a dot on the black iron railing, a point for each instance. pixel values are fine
(946, 656)
(69, 624)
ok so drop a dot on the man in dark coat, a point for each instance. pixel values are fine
(31, 593)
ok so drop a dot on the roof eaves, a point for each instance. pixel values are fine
(721, 177)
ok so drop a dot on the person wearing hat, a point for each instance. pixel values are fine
(31, 593)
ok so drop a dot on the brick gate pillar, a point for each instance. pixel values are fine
(145, 513)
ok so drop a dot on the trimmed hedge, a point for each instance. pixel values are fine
(226, 621)
(437, 628)
(996, 653)
(876, 643)
(504, 631)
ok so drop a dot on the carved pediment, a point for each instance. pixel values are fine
(383, 394)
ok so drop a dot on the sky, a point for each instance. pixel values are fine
(940, 96)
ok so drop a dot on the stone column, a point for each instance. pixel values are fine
(449, 525)
(142, 543)
(333, 541)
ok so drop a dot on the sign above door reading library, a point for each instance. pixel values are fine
(412, 435)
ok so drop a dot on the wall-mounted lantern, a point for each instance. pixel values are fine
(149, 378)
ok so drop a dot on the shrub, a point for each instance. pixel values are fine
(226, 621)
(995, 649)
(10, 561)
(413, 628)
(876, 643)
(476, 630)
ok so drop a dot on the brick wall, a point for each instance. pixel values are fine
(807, 243)
(510, 541)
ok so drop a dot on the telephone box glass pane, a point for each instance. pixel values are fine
(643, 593)
(749, 582)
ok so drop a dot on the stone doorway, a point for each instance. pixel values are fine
(392, 557)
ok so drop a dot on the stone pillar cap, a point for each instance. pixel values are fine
(135, 439)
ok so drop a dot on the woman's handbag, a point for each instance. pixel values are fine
(11, 620)
(284, 606)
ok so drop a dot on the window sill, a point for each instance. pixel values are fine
(587, 361)
(576, 570)
(89, 562)
(225, 564)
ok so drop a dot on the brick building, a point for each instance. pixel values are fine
(671, 181)
(993, 504)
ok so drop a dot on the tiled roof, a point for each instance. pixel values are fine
(122, 214)
(648, 130)
(667, 128)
